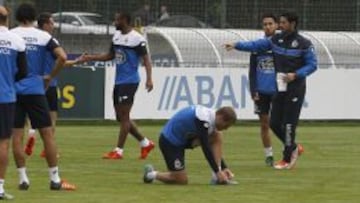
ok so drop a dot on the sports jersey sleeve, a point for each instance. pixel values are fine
(310, 62)
(260, 45)
(203, 128)
(252, 73)
(52, 44)
(21, 60)
(223, 164)
(141, 49)
(22, 66)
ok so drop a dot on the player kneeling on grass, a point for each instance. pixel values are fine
(191, 127)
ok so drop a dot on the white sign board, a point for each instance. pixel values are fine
(331, 93)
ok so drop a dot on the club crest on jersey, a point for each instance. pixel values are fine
(267, 64)
(294, 44)
(120, 57)
(178, 165)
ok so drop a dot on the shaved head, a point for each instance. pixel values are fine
(3, 15)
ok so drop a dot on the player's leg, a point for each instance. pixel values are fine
(52, 100)
(6, 124)
(292, 107)
(123, 97)
(30, 143)
(40, 119)
(262, 109)
(170, 177)
(17, 142)
(174, 157)
(145, 144)
(122, 107)
(277, 115)
(123, 112)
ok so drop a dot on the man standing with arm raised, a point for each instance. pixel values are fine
(295, 59)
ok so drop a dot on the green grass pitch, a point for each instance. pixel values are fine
(329, 170)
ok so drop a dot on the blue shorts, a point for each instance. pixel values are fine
(7, 116)
(174, 156)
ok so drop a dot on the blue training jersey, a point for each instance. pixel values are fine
(37, 43)
(128, 50)
(182, 128)
(10, 46)
(262, 74)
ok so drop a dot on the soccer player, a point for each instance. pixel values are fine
(31, 100)
(13, 68)
(127, 49)
(46, 23)
(295, 59)
(191, 127)
(263, 84)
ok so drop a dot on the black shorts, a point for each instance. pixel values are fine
(263, 105)
(124, 93)
(36, 108)
(52, 98)
(174, 156)
(7, 114)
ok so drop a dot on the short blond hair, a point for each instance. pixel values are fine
(228, 114)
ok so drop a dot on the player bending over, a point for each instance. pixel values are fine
(191, 127)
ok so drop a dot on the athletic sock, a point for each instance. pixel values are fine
(54, 174)
(2, 182)
(145, 142)
(268, 151)
(22, 175)
(151, 175)
(119, 150)
(32, 132)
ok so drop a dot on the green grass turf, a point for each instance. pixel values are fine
(329, 171)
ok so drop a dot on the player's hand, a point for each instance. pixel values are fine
(221, 177)
(83, 58)
(149, 85)
(290, 77)
(229, 46)
(255, 96)
(80, 59)
(47, 79)
(228, 173)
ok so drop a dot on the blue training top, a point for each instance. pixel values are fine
(128, 50)
(10, 47)
(182, 128)
(37, 43)
(262, 74)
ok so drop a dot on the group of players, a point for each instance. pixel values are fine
(30, 59)
(279, 65)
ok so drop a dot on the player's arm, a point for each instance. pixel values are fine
(110, 55)
(216, 144)
(207, 150)
(310, 63)
(71, 63)
(252, 76)
(22, 66)
(143, 53)
(218, 153)
(259, 45)
(60, 55)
